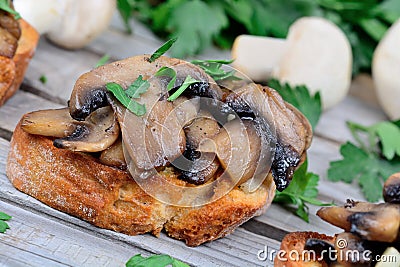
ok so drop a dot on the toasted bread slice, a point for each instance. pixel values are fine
(292, 247)
(78, 184)
(12, 71)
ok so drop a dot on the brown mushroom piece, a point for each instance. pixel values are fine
(52, 122)
(114, 155)
(391, 189)
(354, 251)
(375, 222)
(99, 131)
(89, 92)
(196, 167)
(293, 131)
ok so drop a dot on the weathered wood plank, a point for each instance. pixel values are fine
(234, 250)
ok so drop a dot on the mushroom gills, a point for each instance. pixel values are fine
(99, 131)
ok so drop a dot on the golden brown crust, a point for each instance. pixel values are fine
(17, 66)
(295, 242)
(110, 198)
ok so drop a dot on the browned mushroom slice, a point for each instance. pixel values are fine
(391, 189)
(52, 122)
(99, 131)
(186, 109)
(8, 22)
(8, 43)
(114, 155)
(237, 140)
(205, 126)
(89, 92)
(376, 222)
(352, 251)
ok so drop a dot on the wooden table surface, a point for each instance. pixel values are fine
(42, 236)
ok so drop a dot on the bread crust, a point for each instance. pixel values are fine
(12, 71)
(78, 184)
(295, 242)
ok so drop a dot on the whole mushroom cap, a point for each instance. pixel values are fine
(318, 55)
(386, 71)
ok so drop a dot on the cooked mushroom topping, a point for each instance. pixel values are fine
(52, 122)
(99, 131)
(391, 189)
(376, 222)
(9, 34)
(346, 244)
(114, 155)
(186, 109)
(322, 248)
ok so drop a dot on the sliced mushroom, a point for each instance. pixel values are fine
(89, 92)
(186, 109)
(391, 189)
(205, 126)
(114, 155)
(322, 248)
(52, 122)
(353, 251)
(375, 222)
(237, 147)
(99, 131)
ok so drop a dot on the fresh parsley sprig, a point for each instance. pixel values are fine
(374, 157)
(214, 69)
(162, 50)
(103, 60)
(171, 73)
(301, 190)
(161, 260)
(126, 97)
(3, 225)
(300, 97)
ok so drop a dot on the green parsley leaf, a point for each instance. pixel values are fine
(125, 10)
(368, 168)
(213, 68)
(103, 60)
(43, 79)
(301, 98)
(154, 261)
(302, 189)
(168, 72)
(138, 87)
(186, 83)
(389, 135)
(4, 5)
(190, 21)
(125, 96)
(3, 225)
(162, 50)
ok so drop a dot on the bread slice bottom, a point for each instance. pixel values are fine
(76, 183)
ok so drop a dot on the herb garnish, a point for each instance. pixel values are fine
(138, 87)
(186, 83)
(103, 60)
(302, 189)
(213, 68)
(372, 160)
(168, 72)
(3, 225)
(43, 79)
(5, 5)
(301, 98)
(161, 51)
(154, 261)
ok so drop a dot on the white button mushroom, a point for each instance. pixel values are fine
(386, 71)
(316, 53)
(69, 23)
